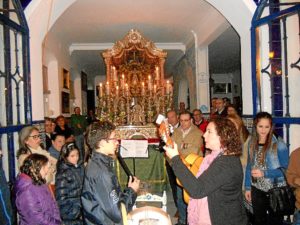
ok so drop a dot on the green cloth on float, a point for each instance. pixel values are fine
(151, 171)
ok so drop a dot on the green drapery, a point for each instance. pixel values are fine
(151, 171)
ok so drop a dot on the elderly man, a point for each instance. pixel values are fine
(189, 140)
(221, 109)
(49, 129)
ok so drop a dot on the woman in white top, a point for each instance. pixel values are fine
(30, 142)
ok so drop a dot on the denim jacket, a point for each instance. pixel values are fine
(272, 161)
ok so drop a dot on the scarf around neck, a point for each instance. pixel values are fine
(198, 212)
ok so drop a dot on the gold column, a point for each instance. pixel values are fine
(108, 69)
(161, 69)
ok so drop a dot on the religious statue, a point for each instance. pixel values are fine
(137, 116)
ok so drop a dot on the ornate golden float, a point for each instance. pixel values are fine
(135, 91)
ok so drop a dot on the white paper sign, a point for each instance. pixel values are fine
(160, 118)
(134, 148)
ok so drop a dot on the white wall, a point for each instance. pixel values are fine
(241, 21)
(203, 94)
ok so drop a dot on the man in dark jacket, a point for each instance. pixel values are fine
(6, 217)
(102, 196)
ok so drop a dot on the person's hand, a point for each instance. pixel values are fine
(171, 152)
(257, 173)
(134, 183)
(248, 196)
(78, 125)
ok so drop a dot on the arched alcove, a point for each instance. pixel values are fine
(48, 13)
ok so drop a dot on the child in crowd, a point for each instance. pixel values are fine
(58, 140)
(34, 201)
(102, 195)
(69, 178)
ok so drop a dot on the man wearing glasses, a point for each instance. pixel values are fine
(189, 140)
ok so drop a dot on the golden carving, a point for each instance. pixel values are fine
(135, 90)
(137, 132)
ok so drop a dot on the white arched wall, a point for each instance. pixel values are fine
(38, 30)
(240, 20)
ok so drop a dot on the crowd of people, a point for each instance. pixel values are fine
(62, 183)
(237, 172)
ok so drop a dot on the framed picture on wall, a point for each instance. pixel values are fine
(220, 88)
(45, 80)
(65, 102)
(66, 79)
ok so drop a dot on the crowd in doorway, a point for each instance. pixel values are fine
(64, 183)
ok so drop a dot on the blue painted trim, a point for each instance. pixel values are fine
(277, 15)
(17, 128)
(285, 120)
(255, 99)
(12, 129)
(13, 24)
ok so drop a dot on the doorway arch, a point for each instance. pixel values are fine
(241, 22)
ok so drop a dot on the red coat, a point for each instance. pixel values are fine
(202, 126)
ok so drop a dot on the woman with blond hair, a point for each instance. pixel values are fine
(30, 142)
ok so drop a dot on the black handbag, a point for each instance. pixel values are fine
(282, 199)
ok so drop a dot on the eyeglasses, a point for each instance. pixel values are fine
(187, 120)
(196, 114)
(35, 137)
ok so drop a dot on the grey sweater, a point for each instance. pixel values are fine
(221, 183)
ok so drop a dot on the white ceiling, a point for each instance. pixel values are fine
(99, 22)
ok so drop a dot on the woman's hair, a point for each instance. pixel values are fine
(59, 117)
(32, 166)
(23, 137)
(55, 135)
(255, 137)
(229, 137)
(97, 131)
(242, 130)
(66, 150)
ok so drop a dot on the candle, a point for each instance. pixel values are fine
(167, 87)
(117, 91)
(101, 90)
(143, 88)
(127, 90)
(122, 81)
(115, 74)
(154, 88)
(149, 83)
(107, 88)
(156, 73)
